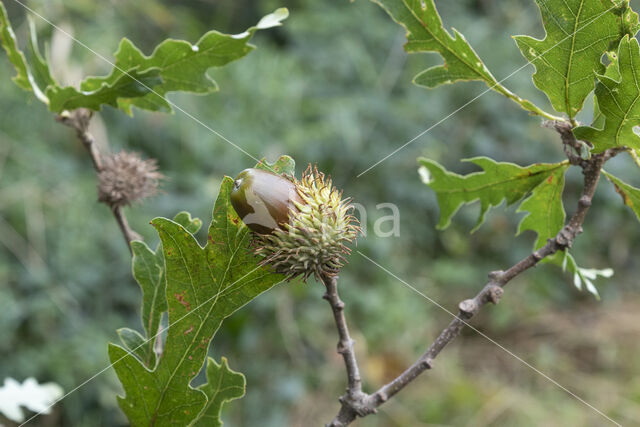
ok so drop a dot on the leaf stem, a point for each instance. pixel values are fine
(525, 104)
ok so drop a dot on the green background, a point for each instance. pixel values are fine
(332, 87)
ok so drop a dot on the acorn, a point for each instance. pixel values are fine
(262, 199)
(301, 227)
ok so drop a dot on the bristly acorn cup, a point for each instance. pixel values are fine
(300, 227)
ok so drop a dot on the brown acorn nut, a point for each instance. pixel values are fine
(263, 199)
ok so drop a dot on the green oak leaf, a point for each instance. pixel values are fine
(545, 209)
(630, 195)
(126, 86)
(497, 182)
(182, 66)
(204, 285)
(578, 33)
(546, 217)
(223, 385)
(136, 80)
(148, 270)
(612, 72)
(37, 77)
(617, 101)
(284, 165)
(426, 33)
(24, 77)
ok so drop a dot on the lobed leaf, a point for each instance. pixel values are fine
(497, 182)
(204, 285)
(127, 86)
(543, 182)
(136, 80)
(37, 77)
(426, 33)
(182, 66)
(617, 101)
(578, 33)
(148, 270)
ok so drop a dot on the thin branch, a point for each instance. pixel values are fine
(79, 121)
(354, 394)
(127, 231)
(492, 292)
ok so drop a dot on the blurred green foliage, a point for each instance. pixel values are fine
(332, 87)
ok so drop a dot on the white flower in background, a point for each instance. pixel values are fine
(33, 396)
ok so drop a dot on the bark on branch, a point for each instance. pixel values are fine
(354, 398)
(355, 403)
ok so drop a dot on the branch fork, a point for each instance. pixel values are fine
(356, 403)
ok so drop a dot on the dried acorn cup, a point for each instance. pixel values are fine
(301, 227)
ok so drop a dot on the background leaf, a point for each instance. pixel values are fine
(617, 102)
(578, 33)
(203, 287)
(30, 394)
(497, 182)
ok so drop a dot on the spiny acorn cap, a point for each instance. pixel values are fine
(126, 177)
(314, 239)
